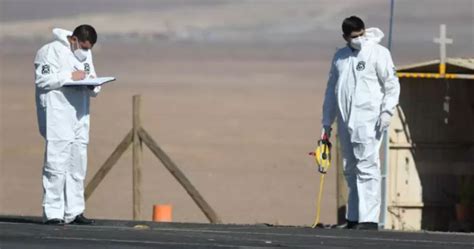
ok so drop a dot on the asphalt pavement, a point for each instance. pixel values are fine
(29, 233)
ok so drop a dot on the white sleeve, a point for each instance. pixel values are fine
(94, 92)
(330, 99)
(92, 67)
(47, 70)
(388, 76)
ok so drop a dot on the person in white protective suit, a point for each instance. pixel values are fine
(63, 120)
(362, 92)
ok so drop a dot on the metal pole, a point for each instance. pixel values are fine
(385, 142)
(392, 4)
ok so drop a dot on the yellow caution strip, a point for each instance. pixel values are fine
(442, 68)
(436, 76)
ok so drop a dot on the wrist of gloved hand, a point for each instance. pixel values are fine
(384, 121)
(326, 132)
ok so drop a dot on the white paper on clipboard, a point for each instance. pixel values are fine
(90, 81)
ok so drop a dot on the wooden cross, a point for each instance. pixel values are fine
(442, 40)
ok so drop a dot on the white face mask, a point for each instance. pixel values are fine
(356, 43)
(81, 54)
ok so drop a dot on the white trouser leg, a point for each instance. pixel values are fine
(368, 180)
(352, 210)
(350, 173)
(74, 192)
(57, 157)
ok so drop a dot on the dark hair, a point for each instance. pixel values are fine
(352, 24)
(85, 33)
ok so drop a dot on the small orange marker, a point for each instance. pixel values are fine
(162, 213)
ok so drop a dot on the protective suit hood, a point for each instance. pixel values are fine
(61, 35)
(373, 35)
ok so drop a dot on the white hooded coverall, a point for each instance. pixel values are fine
(362, 85)
(63, 120)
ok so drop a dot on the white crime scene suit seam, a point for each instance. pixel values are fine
(362, 86)
(63, 120)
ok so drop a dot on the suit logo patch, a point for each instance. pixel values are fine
(360, 66)
(87, 68)
(45, 69)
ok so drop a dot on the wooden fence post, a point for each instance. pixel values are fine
(109, 163)
(136, 137)
(341, 186)
(137, 151)
(179, 175)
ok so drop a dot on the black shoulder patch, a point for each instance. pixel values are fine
(87, 68)
(45, 69)
(360, 66)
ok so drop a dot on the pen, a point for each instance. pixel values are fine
(77, 69)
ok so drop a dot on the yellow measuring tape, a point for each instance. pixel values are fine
(322, 156)
(318, 204)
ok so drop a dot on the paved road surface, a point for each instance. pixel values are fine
(28, 232)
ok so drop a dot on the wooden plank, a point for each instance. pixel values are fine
(341, 186)
(108, 164)
(178, 174)
(137, 151)
(435, 75)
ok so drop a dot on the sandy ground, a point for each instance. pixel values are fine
(237, 119)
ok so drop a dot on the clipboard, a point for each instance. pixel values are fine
(90, 81)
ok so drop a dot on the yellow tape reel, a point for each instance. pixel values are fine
(322, 155)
